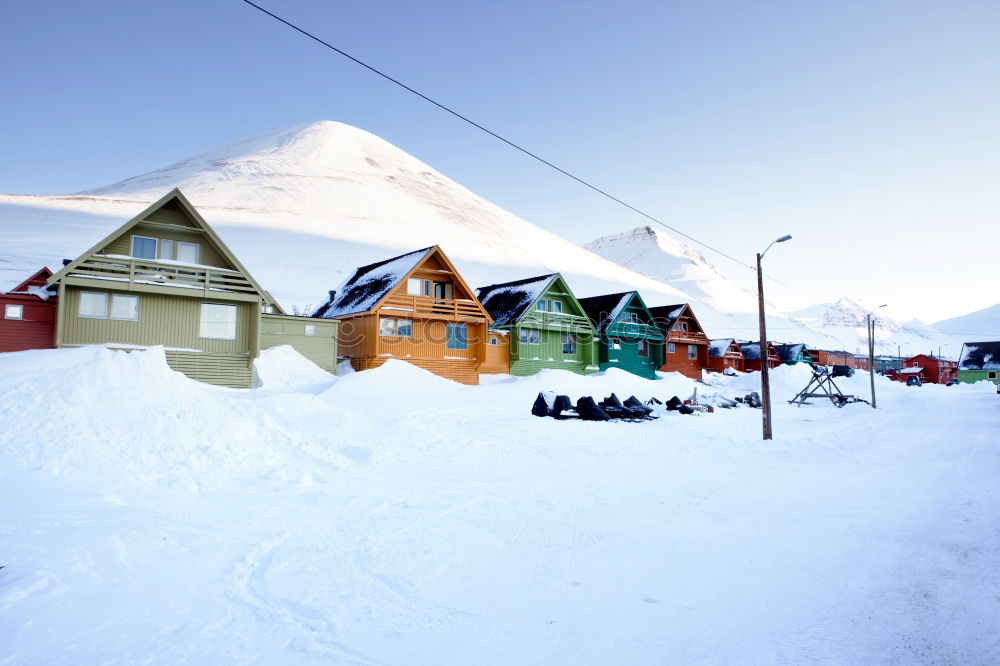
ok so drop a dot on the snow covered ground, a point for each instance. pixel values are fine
(392, 517)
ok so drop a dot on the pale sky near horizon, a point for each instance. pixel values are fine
(867, 130)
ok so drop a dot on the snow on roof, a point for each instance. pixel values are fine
(666, 315)
(369, 285)
(980, 356)
(751, 350)
(603, 310)
(507, 302)
(789, 352)
(718, 348)
(910, 371)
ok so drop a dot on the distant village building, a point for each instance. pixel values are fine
(537, 323)
(928, 369)
(791, 354)
(416, 308)
(751, 355)
(628, 337)
(979, 361)
(165, 278)
(686, 345)
(725, 354)
(831, 357)
(29, 315)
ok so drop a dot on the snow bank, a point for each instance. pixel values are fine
(283, 367)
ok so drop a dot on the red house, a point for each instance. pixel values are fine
(686, 345)
(724, 353)
(751, 354)
(927, 368)
(29, 315)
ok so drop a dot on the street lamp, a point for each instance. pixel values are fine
(765, 386)
(870, 325)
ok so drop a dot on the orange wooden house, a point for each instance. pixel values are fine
(751, 356)
(723, 354)
(686, 345)
(416, 308)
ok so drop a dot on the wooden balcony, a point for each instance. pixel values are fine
(144, 275)
(452, 309)
(557, 320)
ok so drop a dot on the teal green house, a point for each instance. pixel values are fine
(542, 325)
(979, 361)
(628, 338)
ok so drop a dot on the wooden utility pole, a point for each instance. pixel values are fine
(870, 325)
(765, 386)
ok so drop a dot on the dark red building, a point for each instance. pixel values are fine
(28, 315)
(927, 368)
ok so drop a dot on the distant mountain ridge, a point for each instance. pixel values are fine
(979, 326)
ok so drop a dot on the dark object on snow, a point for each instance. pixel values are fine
(634, 403)
(541, 407)
(913, 381)
(612, 401)
(654, 401)
(589, 411)
(684, 409)
(614, 408)
(842, 371)
(674, 404)
(752, 399)
(562, 404)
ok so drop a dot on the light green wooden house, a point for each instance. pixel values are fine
(542, 324)
(165, 278)
(979, 361)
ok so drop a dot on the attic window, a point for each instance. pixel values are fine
(542, 305)
(143, 247)
(631, 317)
(418, 287)
(683, 326)
(556, 306)
(13, 312)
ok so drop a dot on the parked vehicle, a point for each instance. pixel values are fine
(951, 382)
(913, 381)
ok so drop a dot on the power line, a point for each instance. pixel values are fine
(514, 145)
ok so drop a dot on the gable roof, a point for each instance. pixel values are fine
(980, 356)
(174, 195)
(366, 288)
(507, 302)
(603, 310)
(33, 284)
(751, 350)
(666, 316)
(717, 348)
(791, 351)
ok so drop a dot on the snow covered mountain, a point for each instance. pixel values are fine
(979, 326)
(845, 320)
(304, 205)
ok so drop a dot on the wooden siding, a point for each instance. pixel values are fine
(232, 370)
(208, 254)
(679, 361)
(320, 348)
(497, 355)
(171, 321)
(35, 330)
(527, 358)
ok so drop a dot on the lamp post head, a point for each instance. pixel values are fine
(783, 239)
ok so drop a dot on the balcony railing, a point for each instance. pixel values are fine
(450, 308)
(147, 272)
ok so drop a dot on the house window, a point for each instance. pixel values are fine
(541, 305)
(414, 287)
(398, 328)
(493, 339)
(166, 249)
(991, 374)
(631, 317)
(124, 306)
(529, 336)
(93, 305)
(683, 326)
(725, 361)
(569, 343)
(556, 306)
(643, 348)
(692, 352)
(916, 364)
(458, 336)
(11, 311)
(310, 329)
(143, 247)
(616, 343)
(188, 252)
(670, 348)
(217, 321)
(444, 290)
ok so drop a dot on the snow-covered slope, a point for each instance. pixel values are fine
(845, 320)
(979, 326)
(305, 205)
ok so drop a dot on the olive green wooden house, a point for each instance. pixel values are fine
(165, 278)
(628, 337)
(544, 323)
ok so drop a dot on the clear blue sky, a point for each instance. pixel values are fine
(868, 130)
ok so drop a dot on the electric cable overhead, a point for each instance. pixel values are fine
(514, 145)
